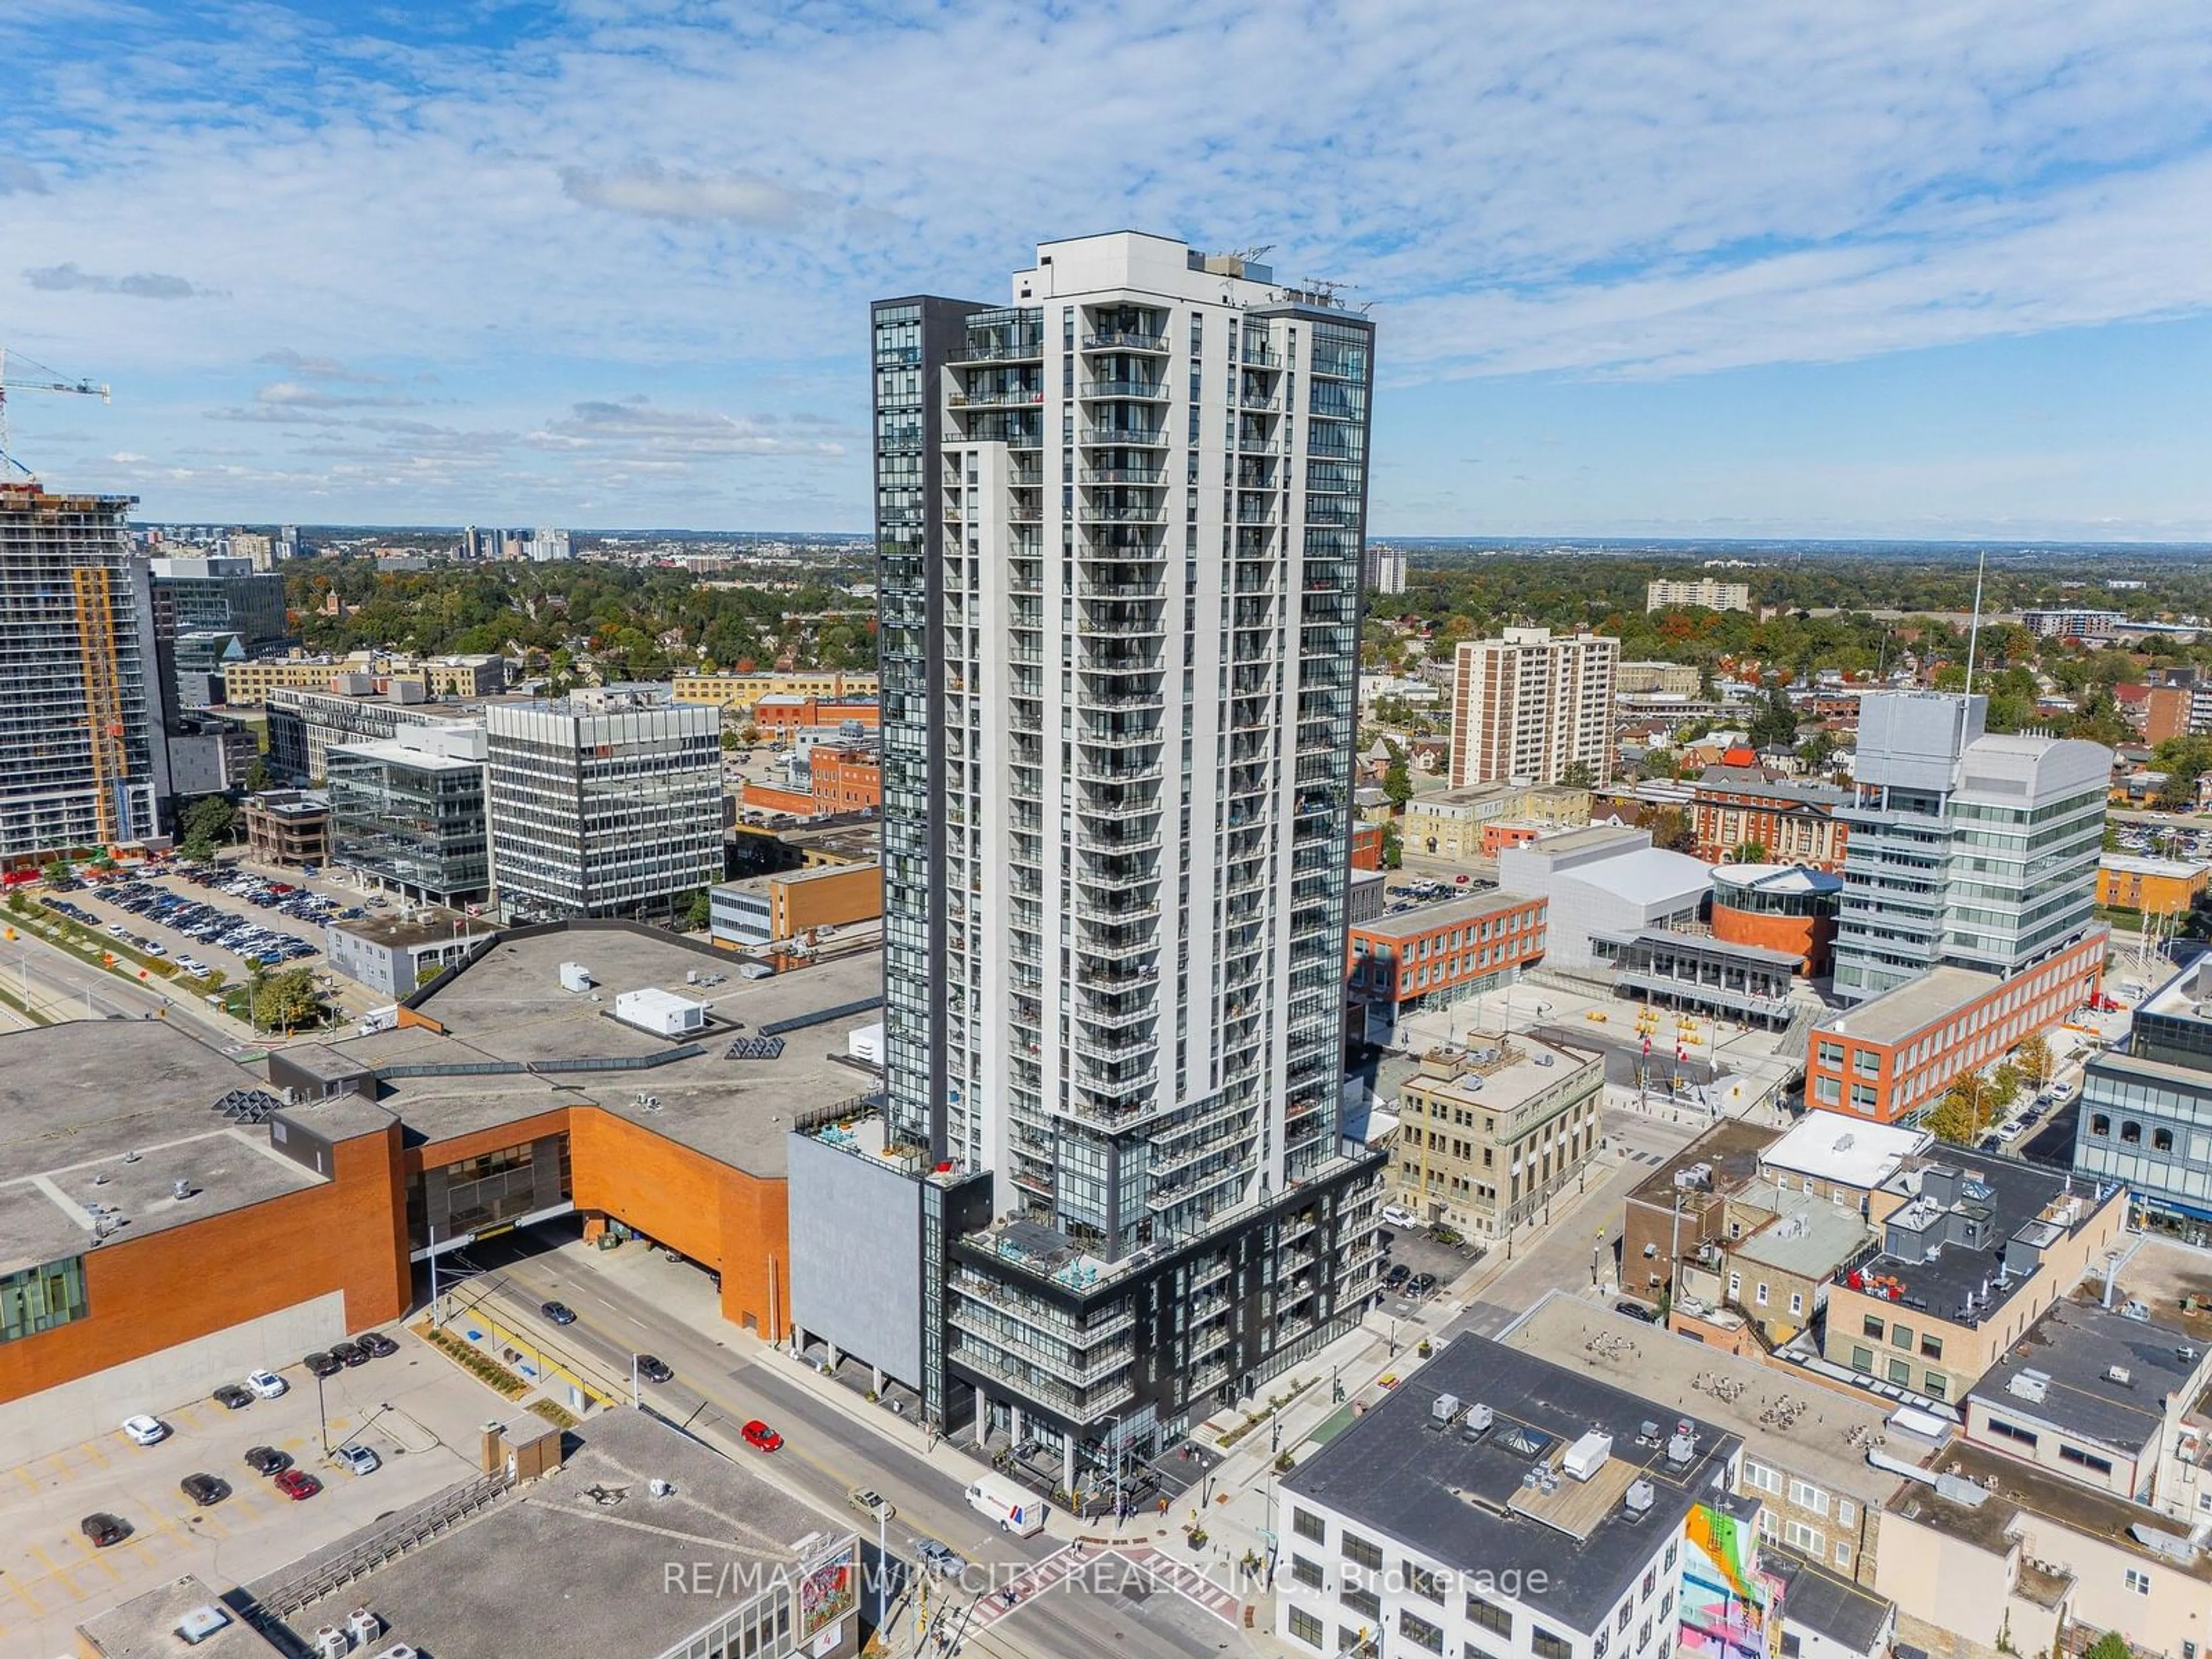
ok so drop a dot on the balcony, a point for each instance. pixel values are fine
(1155, 589)
(1118, 513)
(1126, 437)
(1018, 349)
(1148, 391)
(1014, 398)
(1089, 841)
(1126, 339)
(1124, 475)
(1122, 737)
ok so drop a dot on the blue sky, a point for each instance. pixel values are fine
(1940, 270)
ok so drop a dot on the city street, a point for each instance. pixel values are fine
(631, 1301)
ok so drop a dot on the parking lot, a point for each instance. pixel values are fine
(414, 1409)
(226, 920)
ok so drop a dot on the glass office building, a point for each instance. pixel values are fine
(408, 813)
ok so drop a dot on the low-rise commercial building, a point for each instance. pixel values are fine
(1840, 1160)
(1766, 1282)
(1497, 1504)
(396, 956)
(1602, 884)
(2159, 887)
(1688, 1203)
(1488, 1132)
(1892, 1058)
(793, 904)
(1666, 679)
(738, 692)
(2145, 1113)
(1433, 956)
(1970, 1255)
(1789, 822)
(2099, 1396)
(1804, 1444)
(289, 826)
(778, 714)
(1704, 975)
(1449, 824)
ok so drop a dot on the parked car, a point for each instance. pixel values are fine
(103, 1528)
(1398, 1215)
(267, 1384)
(146, 1430)
(266, 1459)
(1420, 1285)
(205, 1489)
(1636, 1310)
(653, 1370)
(871, 1503)
(1398, 1273)
(324, 1365)
(349, 1354)
(559, 1313)
(232, 1398)
(760, 1437)
(360, 1459)
(376, 1345)
(298, 1484)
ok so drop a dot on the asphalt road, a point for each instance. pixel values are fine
(65, 987)
(717, 1388)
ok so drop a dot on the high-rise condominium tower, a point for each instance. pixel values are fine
(1120, 522)
(82, 764)
(1965, 848)
(1527, 707)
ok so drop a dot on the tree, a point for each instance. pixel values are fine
(286, 1000)
(1959, 1116)
(1775, 725)
(2034, 1058)
(700, 912)
(256, 775)
(1749, 851)
(1397, 779)
(2111, 1645)
(57, 870)
(1578, 774)
(1393, 845)
(1671, 828)
(1818, 751)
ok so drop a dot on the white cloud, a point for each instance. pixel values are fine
(139, 285)
(20, 178)
(653, 192)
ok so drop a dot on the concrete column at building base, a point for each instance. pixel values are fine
(1068, 1462)
(982, 1415)
(1013, 1422)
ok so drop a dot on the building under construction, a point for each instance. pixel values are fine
(83, 765)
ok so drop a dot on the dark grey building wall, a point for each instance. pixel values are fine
(856, 1256)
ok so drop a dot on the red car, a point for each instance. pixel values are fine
(297, 1484)
(760, 1437)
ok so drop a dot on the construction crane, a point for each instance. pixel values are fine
(51, 382)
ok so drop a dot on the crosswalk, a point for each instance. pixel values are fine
(1109, 1569)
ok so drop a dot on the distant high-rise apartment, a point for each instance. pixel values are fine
(1965, 849)
(1705, 594)
(1382, 568)
(1528, 708)
(1119, 520)
(605, 803)
(82, 764)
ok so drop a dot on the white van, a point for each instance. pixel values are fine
(1014, 1510)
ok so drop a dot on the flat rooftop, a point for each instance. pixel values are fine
(1468, 1503)
(1425, 919)
(102, 1118)
(2015, 1195)
(1822, 1601)
(1818, 1432)
(1731, 1146)
(146, 1627)
(398, 934)
(1522, 1068)
(1808, 1236)
(1847, 1151)
(787, 878)
(1912, 1007)
(508, 1005)
(2016, 1486)
(2060, 1372)
(572, 1565)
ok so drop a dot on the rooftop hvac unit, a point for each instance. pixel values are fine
(1442, 1409)
(180, 1190)
(1587, 1455)
(1640, 1497)
(202, 1622)
(1682, 1448)
(659, 1487)
(1480, 1416)
(574, 976)
(331, 1643)
(2119, 1374)
(363, 1626)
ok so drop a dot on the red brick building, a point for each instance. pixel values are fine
(1794, 821)
(1437, 954)
(1894, 1057)
(1366, 844)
